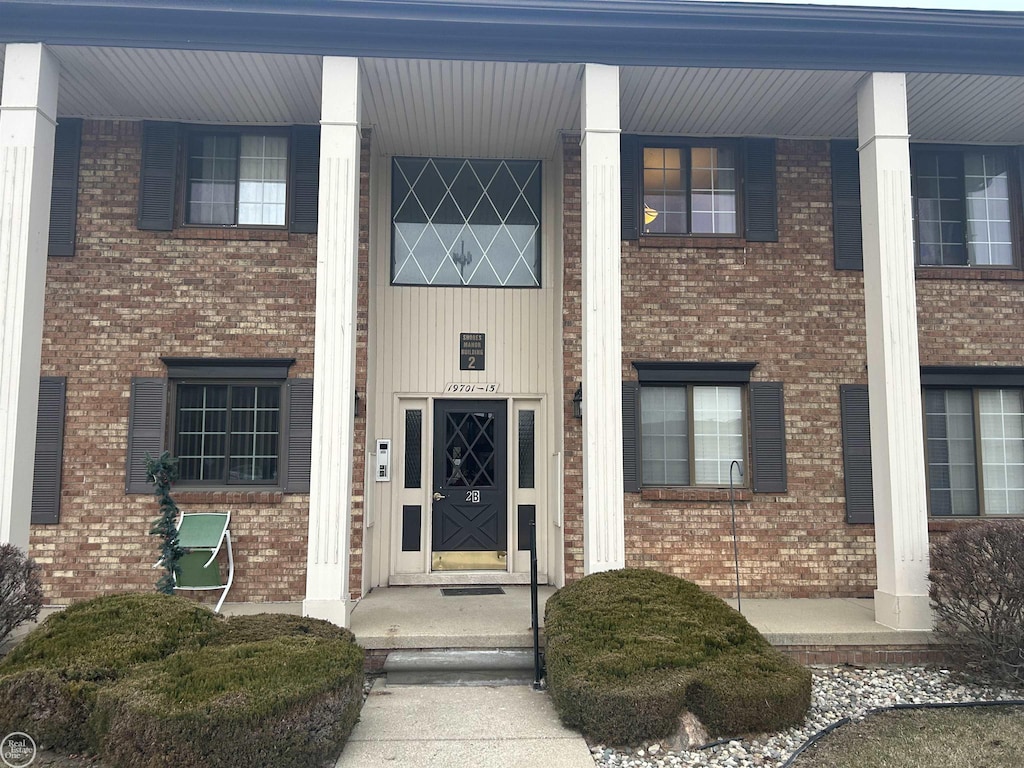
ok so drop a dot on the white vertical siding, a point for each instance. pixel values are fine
(414, 343)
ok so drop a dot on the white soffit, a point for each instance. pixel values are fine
(739, 102)
(489, 109)
(982, 109)
(469, 108)
(196, 86)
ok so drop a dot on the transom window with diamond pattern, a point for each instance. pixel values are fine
(462, 222)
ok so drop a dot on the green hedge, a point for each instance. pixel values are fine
(287, 702)
(268, 626)
(140, 677)
(628, 651)
(49, 681)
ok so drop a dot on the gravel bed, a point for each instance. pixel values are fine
(838, 692)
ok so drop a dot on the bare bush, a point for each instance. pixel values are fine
(977, 588)
(21, 590)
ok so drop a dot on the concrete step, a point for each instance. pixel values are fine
(472, 666)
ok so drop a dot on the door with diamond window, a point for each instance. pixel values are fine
(469, 514)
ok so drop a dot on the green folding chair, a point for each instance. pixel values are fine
(201, 535)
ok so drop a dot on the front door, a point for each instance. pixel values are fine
(470, 519)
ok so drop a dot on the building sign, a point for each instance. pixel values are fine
(453, 388)
(471, 351)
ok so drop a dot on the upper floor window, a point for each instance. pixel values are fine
(689, 189)
(458, 222)
(963, 206)
(236, 178)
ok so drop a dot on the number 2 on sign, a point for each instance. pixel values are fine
(473, 497)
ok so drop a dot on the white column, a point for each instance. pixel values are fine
(894, 373)
(28, 115)
(334, 367)
(603, 524)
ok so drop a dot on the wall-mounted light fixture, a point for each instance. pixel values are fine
(577, 403)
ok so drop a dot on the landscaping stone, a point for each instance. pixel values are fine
(838, 692)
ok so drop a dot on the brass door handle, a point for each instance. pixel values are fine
(438, 496)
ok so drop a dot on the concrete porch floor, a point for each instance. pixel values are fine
(421, 617)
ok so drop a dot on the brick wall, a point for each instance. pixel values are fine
(784, 306)
(572, 357)
(129, 297)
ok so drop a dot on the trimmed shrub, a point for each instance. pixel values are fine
(291, 701)
(49, 681)
(269, 626)
(629, 650)
(977, 589)
(21, 590)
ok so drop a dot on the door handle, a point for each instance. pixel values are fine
(438, 496)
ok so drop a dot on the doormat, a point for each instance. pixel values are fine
(463, 591)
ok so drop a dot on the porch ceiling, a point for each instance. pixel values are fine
(516, 109)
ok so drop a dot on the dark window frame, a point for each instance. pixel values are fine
(231, 384)
(655, 142)
(540, 224)
(975, 391)
(230, 372)
(688, 376)
(190, 132)
(1015, 194)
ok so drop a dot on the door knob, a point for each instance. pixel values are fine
(438, 496)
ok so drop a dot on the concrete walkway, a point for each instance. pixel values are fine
(461, 727)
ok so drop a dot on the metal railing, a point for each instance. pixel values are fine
(538, 657)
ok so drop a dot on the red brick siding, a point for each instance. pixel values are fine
(362, 330)
(572, 357)
(784, 306)
(129, 297)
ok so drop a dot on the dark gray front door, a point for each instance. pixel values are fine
(470, 521)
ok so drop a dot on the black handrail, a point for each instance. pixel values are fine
(538, 659)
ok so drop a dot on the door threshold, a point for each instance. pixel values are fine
(461, 578)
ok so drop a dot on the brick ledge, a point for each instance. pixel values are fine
(693, 494)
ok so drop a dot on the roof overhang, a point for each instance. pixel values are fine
(677, 33)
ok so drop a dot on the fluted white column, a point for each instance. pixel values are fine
(330, 498)
(894, 373)
(603, 523)
(28, 116)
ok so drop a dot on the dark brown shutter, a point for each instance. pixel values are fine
(768, 437)
(846, 232)
(49, 451)
(64, 192)
(305, 177)
(157, 176)
(860, 506)
(629, 170)
(147, 416)
(630, 436)
(760, 209)
(300, 435)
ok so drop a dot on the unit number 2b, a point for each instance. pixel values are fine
(473, 497)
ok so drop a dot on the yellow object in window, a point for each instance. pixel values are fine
(649, 214)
